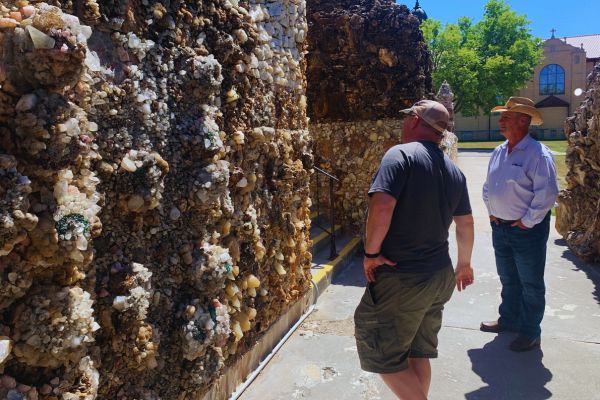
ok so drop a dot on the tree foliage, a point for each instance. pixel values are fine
(484, 63)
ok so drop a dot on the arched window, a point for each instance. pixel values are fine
(552, 79)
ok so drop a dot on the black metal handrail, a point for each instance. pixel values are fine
(331, 231)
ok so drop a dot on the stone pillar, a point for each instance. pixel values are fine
(367, 60)
(450, 141)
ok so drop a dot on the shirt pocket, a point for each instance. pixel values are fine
(516, 175)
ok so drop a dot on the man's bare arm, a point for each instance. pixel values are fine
(381, 209)
(465, 236)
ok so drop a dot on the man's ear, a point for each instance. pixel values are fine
(416, 121)
(525, 120)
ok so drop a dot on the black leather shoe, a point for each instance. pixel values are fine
(524, 343)
(491, 326)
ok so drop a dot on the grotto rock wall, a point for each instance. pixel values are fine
(578, 218)
(351, 151)
(154, 203)
(367, 60)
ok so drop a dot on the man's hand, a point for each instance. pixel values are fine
(370, 264)
(519, 224)
(463, 275)
(494, 219)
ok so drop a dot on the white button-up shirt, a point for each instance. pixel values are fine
(521, 185)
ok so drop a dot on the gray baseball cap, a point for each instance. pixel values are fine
(432, 112)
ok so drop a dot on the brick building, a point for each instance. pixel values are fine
(557, 87)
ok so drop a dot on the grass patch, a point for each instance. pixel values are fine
(557, 146)
(561, 170)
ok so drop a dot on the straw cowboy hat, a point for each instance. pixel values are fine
(521, 105)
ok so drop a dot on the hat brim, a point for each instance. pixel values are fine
(536, 117)
(407, 110)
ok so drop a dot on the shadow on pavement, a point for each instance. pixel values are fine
(509, 375)
(352, 274)
(591, 270)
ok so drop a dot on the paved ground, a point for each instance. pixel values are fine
(319, 361)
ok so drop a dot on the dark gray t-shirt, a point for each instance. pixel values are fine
(429, 190)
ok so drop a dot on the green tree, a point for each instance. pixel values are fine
(484, 63)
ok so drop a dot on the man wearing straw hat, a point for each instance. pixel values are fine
(519, 192)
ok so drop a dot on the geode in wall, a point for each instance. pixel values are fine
(578, 217)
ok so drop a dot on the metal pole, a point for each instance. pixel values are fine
(317, 195)
(332, 250)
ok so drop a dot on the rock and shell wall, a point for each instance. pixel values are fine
(367, 60)
(578, 217)
(351, 151)
(154, 202)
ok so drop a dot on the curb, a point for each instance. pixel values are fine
(325, 272)
(318, 243)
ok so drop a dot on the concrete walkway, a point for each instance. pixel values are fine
(319, 361)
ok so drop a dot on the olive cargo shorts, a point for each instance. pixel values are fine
(399, 316)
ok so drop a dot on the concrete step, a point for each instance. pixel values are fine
(324, 265)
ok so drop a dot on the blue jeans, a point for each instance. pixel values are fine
(520, 262)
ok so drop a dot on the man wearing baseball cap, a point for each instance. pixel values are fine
(414, 197)
(519, 192)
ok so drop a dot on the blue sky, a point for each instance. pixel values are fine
(569, 18)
